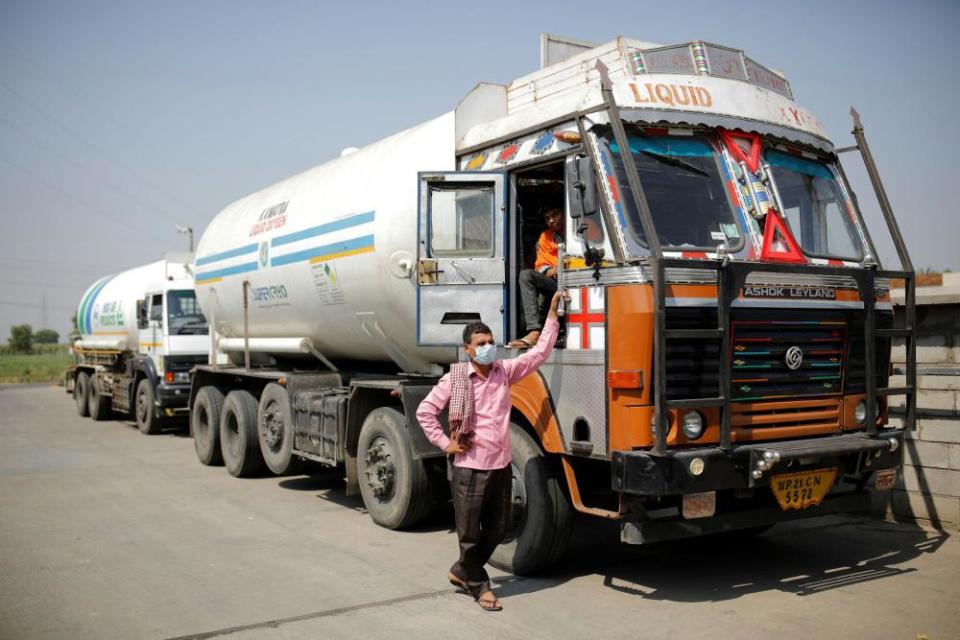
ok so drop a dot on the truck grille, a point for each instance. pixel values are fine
(813, 414)
(693, 366)
(774, 358)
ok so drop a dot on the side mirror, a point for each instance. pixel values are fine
(581, 187)
(142, 314)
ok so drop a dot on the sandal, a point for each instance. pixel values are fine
(461, 585)
(489, 605)
(521, 343)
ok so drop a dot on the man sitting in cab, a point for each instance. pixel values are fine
(542, 279)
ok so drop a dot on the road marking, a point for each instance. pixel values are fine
(310, 616)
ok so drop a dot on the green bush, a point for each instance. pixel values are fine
(21, 338)
(46, 336)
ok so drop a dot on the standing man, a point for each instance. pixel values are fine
(478, 393)
(541, 279)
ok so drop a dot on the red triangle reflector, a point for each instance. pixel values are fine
(745, 147)
(778, 243)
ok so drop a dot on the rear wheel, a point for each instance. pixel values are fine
(205, 425)
(275, 429)
(395, 487)
(81, 391)
(542, 515)
(99, 404)
(238, 434)
(147, 419)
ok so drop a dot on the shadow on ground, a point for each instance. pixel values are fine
(798, 558)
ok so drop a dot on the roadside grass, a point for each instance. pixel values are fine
(47, 363)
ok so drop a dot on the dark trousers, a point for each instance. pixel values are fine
(481, 502)
(532, 284)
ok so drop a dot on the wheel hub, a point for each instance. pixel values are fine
(273, 428)
(518, 499)
(380, 470)
(142, 407)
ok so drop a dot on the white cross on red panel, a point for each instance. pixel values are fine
(585, 318)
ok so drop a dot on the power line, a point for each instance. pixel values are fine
(86, 204)
(100, 179)
(96, 148)
(67, 264)
(45, 285)
(36, 306)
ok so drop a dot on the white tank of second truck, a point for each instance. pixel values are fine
(107, 315)
(328, 254)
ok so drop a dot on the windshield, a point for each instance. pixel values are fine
(183, 314)
(813, 206)
(684, 186)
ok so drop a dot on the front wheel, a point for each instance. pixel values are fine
(394, 485)
(542, 515)
(147, 420)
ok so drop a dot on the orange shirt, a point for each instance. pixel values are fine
(546, 251)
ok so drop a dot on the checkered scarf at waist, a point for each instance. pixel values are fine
(461, 400)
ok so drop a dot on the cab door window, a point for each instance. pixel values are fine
(461, 220)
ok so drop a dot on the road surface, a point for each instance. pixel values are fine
(107, 533)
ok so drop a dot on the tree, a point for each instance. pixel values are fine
(46, 336)
(21, 338)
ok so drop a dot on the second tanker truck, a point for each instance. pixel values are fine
(141, 331)
(725, 356)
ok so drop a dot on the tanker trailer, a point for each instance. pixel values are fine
(141, 331)
(724, 361)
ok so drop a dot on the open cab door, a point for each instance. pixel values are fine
(460, 261)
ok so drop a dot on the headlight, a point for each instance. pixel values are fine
(692, 425)
(860, 412)
(653, 425)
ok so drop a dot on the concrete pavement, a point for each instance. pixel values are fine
(106, 533)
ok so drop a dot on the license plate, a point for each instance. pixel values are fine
(699, 505)
(883, 480)
(802, 489)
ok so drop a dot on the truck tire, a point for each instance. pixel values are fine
(238, 434)
(99, 404)
(275, 429)
(543, 517)
(205, 425)
(81, 392)
(395, 487)
(146, 414)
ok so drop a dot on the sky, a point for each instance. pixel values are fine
(121, 120)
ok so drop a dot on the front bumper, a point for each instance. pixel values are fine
(173, 397)
(642, 474)
(741, 478)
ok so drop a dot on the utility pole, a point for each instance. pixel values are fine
(188, 231)
(43, 305)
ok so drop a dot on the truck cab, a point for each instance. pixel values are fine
(173, 338)
(726, 350)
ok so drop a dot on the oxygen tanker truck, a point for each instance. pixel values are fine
(725, 354)
(141, 331)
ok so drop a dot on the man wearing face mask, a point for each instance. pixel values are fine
(478, 394)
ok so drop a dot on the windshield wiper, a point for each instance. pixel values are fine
(676, 162)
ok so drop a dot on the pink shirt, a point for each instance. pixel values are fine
(491, 405)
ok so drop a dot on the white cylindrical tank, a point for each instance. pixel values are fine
(107, 314)
(329, 253)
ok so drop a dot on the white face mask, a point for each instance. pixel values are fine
(486, 354)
